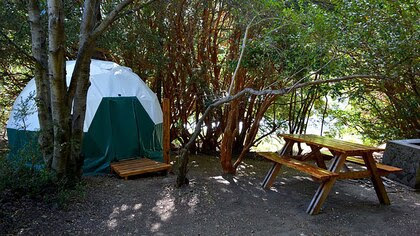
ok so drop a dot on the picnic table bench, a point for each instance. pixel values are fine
(342, 151)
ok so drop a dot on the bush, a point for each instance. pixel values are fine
(21, 170)
(23, 178)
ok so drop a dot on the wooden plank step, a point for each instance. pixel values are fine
(132, 167)
(379, 166)
(131, 161)
(316, 172)
(143, 171)
(128, 169)
(135, 164)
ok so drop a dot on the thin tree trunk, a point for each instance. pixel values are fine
(324, 113)
(250, 137)
(43, 98)
(57, 77)
(183, 158)
(81, 74)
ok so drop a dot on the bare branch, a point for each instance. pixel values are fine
(240, 56)
(114, 15)
(273, 129)
(109, 19)
(181, 179)
(281, 91)
(137, 8)
(315, 72)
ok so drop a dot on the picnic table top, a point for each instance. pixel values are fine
(330, 143)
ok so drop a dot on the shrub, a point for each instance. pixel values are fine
(23, 178)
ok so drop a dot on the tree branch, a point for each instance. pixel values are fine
(10, 41)
(281, 91)
(181, 179)
(240, 56)
(114, 15)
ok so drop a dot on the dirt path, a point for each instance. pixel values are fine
(218, 205)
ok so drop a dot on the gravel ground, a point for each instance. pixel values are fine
(214, 204)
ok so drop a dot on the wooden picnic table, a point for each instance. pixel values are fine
(342, 151)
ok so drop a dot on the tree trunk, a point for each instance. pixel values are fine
(61, 110)
(81, 74)
(250, 137)
(228, 138)
(57, 77)
(43, 98)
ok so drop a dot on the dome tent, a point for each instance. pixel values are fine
(123, 118)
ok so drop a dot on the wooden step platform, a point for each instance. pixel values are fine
(140, 166)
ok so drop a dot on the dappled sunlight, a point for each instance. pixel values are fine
(124, 207)
(137, 206)
(155, 227)
(245, 165)
(112, 221)
(165, 207)
(225, 190)
(192, 203)
(112, 224)
(245, 169)
(301, 178)
(194, 163)
(152, 214)
(220, 179)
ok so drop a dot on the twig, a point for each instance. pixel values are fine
(240, 56)
(10, 41)
(114, 15)
(181, 179)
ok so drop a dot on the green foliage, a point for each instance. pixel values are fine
(168, 44)
(23, 174)
(15, 66)
(21, 179)
(377, 37)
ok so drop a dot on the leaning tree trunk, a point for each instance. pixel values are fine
(250, 137)
(80, 84)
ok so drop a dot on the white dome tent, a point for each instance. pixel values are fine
(123, 117)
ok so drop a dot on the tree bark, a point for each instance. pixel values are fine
(250, 137)
(61, 111)
(183, 158)
(43, 98)
(228, 138)
(57, 77)
(81, 74)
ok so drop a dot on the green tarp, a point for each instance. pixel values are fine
(120, 129)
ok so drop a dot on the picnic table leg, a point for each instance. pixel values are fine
(271, 175)
(317, 155)
(376, 179)
(274, 170)
(325, 187)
